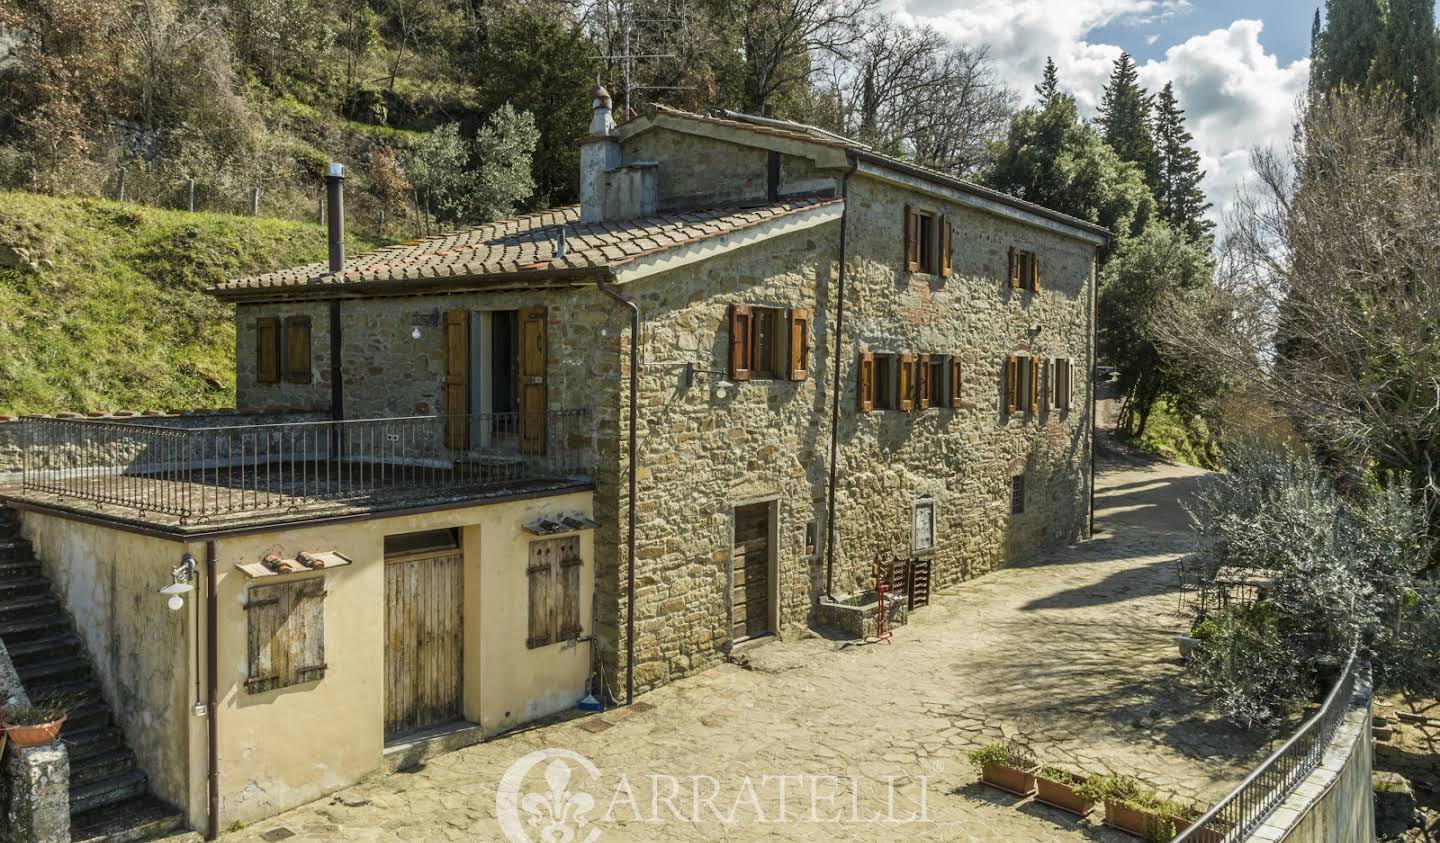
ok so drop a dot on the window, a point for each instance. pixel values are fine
(1062, 383)
(1024, 269)
(769, 343)
(1022, 384)
(934, 385)
(812, 539)
(267, 350)
(884, 396)
(923, 525)
(426, 541)
(553, 577)
(297, 349)
(285, 634)
(927, 242)
(1017, 494)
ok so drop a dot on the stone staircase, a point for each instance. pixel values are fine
(109, 799)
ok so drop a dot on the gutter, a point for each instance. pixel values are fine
(212, 624)
(835, 387)
(632, 459)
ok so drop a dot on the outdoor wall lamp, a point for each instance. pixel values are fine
(691, 370)
(180, 577)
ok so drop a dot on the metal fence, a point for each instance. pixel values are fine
(200, 473)
(1243, 810)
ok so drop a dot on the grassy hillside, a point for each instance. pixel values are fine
(102, 303)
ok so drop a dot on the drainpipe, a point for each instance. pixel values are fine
(335, 219)
(212, 624)
(632, 458)
(835, 383)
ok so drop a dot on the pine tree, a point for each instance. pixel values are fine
(1407, 57)
(1125, 120)
(1050, 84)
(1317, 67)
(1347, 44)
(1180, 199)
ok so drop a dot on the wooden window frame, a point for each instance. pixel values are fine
(956, 383)
(267, 371)
(924, 389)
(285, 634)
(798, 344)
(947, 265)
(741, 325)
(905, 382)
(767, 370)
(298, 338)
(1022, 384)
(911, 253)
(865, 382)
(553, 615)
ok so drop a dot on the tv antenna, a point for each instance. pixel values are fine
(644, 39)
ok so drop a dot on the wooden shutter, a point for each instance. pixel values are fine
(1014, 267)
(1069, 383)
(923, 387)
(905, 384)
(741, 321)
(865, 382)
(540, 578)
(1012, 383)
(1034, 272)
(455, 397)
(1034, 385)
(799, 368)
(297, 349)
(306, 631)
(945, 264)
(912, 240)
(267, 350)
(533, 354)
(570, 564)
(955, 382)
(266, 651)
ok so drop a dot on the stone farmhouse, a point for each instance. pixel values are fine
(587, 450)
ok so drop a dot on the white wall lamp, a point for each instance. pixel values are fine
(180, 576)
(691, 370)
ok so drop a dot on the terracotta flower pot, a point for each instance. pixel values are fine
(1137, 821)
(1208, 834)
(1063, 796)
(37, 735)
(1009, 779)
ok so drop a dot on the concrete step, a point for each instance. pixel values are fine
(103, 765)
(95, 740)
(23, 587)
(12, 570)
(142, 818)
(109, 791)
(43, 649)
(35, 628)
(70, 669)
(15, 550)
(90, 714)
(73, 692)
(31, 605)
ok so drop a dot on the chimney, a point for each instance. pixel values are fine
(599, 154)
(335, 202)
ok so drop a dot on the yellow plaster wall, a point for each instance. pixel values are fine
(288, 746)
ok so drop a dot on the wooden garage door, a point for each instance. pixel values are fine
(423, 641)
(751, 596)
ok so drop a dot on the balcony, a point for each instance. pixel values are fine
(170, 474)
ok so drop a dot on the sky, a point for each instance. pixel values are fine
(1238, 67)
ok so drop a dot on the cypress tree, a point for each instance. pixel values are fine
(1125, 120)
(1180, 199)
(1407, 57)
(1348, 42)
(1050, 84)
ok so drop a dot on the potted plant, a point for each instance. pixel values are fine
(1134, 809)
(1060, 789)
(1006, 765)
(1213, 831)
(36, 724)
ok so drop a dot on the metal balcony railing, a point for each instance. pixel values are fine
(200, 473)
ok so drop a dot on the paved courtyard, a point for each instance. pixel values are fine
(811, 739)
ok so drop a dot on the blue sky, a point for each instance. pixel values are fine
(1239, 68)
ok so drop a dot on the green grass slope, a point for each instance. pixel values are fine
(102, 304)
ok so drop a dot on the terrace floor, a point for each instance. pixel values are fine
(1073, 653)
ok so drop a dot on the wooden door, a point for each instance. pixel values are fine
(456, 399)
(424, 635)
(750, 599)
(532, 380)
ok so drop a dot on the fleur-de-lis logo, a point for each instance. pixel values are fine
(557, 816)
(554, 813)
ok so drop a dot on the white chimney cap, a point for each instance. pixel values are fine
(336, 170)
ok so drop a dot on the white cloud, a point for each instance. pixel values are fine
(1236, 95)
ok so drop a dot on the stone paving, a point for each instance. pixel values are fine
(1073, 653)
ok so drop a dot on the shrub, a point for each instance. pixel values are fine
(1006, 753)
(1057, 775)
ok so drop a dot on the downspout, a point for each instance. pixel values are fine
(335, 235)
(632, 458)
(835, 381)
(212, 624)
